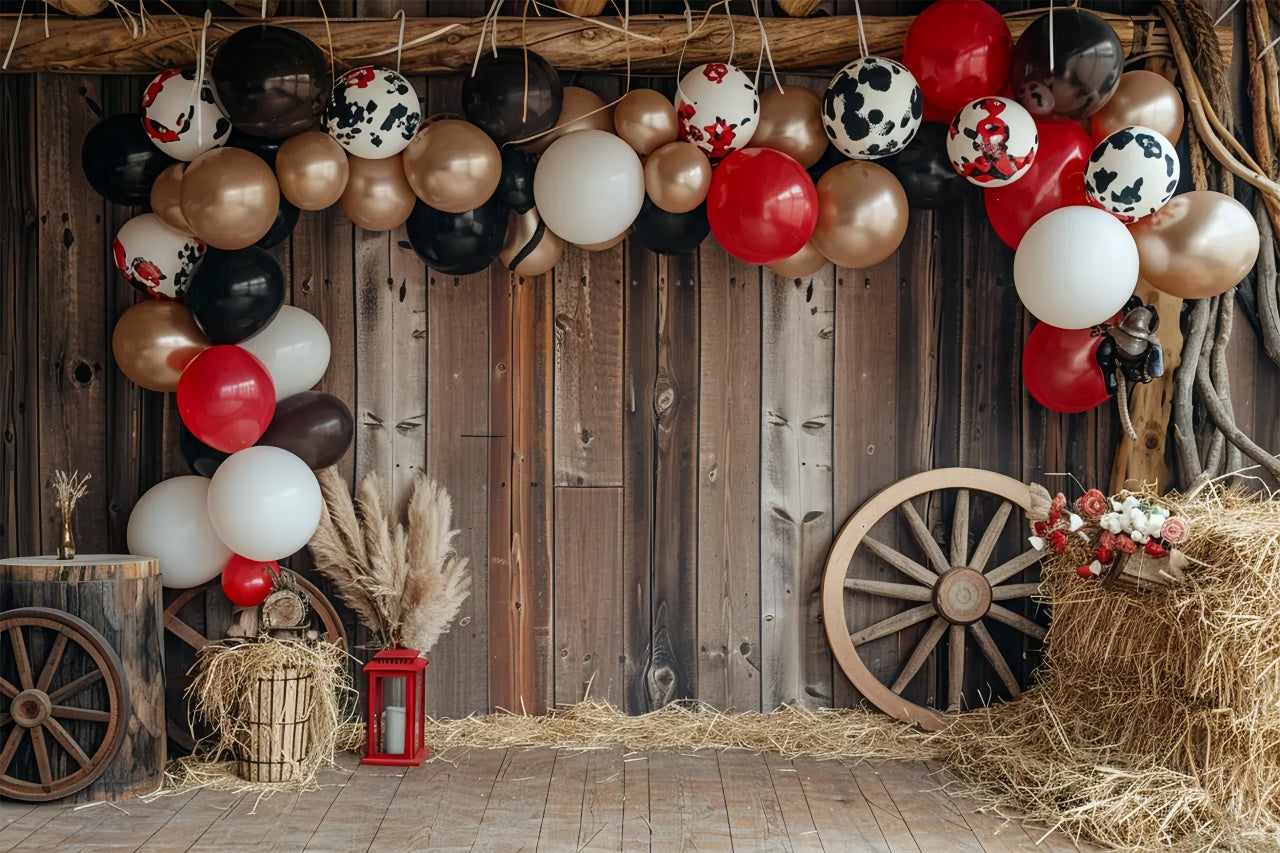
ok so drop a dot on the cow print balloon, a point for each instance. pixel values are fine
(373, 112)
(170, 119)
(872, 108)
(717, 108)
(992, 141)
(155, 257)
(1133, 172)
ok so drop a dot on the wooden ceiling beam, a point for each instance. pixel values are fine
(104, 45)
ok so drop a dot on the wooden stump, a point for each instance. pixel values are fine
(119, 596)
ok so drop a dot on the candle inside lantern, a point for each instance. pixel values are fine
(393, 730)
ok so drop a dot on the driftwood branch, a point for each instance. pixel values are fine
(448, 45)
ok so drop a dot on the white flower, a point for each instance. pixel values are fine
(1136, 520)
(1139, 537)
(1111, 522)
(1075, 522)
(1037, 542)
(1096, 568)
(1129, 503)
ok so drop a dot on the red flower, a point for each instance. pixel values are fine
(1105, 555)
(1040, 528)
(688, 132)
(1155, 549)
(1093, 504)
(147, 271)
(361, 77)
(715, 72)
(117, 250)
(1084, 572)
(1107, 540)
(721, 137)
(1174, 530)
(1058, 541)
(1125, 544)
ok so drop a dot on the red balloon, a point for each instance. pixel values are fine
(248, 582)
(1060, 368)
(762, 206)
(1055, 179)
(226, 398)
(959, 51)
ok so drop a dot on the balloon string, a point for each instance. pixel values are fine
(1050, 36)
(484, 25)
(399, 41)
(688, 24)
(142, 15)
(423, 39)
(46, 17)
(329, 33)
(1226, 11)
(524, 47)
(199, 79)
(733, 33)
(765, 52)
(17, 26)
(263, 16)
(604, 25)
(862, 34)
(1275, 41)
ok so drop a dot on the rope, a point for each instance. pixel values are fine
(199, 78)
(399, 41)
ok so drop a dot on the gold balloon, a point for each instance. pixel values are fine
(229, 198)
(791, 122)
(378, 196)
(312, 170)
(1142, 97)
(606, 244)
(582, 110)
(646, 120)
(803, 263)
(452, 165)
(677, 177)
(528, 248)
(862, 214)
(153, 342)
(166, 197)
(1198, 245)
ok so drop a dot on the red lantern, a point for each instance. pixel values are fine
(397, 708)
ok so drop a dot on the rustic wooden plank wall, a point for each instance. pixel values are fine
(648, 455)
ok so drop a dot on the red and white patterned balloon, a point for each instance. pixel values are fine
(992, 141)
(718, 108)
(179, 123)
(155, 257)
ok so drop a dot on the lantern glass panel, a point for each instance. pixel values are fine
(393, 710)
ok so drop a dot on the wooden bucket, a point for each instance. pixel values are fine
(276, 736)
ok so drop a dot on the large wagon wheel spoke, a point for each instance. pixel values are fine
(41, 750)
(66, 712)
(72, 688)
(956, 589)
(20, 657)
(51, 663)
(8, 689)
(10, 747)
(64, 737)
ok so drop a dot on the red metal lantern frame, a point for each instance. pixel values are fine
(409, 665)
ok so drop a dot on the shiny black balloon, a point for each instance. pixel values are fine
(286, 219)
(495, 96)
(260, 145)
(1088, 60)
(119, 160)
(234, 294)
(670, 233)
(831, 157)
(458, 243)
(272, 82)
(924, 169)
(203, 459)
(515, 189)
(315, 427)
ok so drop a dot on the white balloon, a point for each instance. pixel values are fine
(294, 347)
(1076, 267)
(588, 187)
(171, 523)
(178, 122)
(718, 108)
(1133, 172)
(155, 257)
(264, 503)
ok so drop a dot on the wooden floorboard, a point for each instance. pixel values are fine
(555, 800)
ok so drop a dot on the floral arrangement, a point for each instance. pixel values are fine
(1114, 530)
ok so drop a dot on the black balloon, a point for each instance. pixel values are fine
(286, 219)
(1088, 60)
(272, 82)
(260, 145)
(925, 171)
(831, 157)
(515, 189)
(506, 102)
(458, 243)
(119, 160)
(671, 233)
(315, 427)
(234, 294)
(203, 459)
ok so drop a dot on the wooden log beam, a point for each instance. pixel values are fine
(104, 45)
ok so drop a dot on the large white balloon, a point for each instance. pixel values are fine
(171, 523)
(1076, 267)
(588, 187)
(264, 503)
(294, 347)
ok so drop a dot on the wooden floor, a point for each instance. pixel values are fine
(547, 799)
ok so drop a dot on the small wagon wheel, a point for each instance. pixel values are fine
(45, 720)
(178, 727)
(954, 591)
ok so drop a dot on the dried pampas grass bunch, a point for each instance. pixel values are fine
(406, 585)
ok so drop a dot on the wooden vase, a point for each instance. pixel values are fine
(799, 8)
(585, 8)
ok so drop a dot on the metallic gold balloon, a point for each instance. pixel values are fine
(153, 342)
(607, 244)
(582, 110)
(378, 196)
(1198, 245)
(229, 198)
(453, 166)
(1144, 98)
(312, 170)
(862, 214)
(803, 263)
(530, 248)
(646, 120)
(166, 197)
(677, 177)
(791, 122)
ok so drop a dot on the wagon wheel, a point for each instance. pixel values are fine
(178, 727)
(47, 719)
(956, 590)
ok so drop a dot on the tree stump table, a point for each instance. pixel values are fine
(81, 678)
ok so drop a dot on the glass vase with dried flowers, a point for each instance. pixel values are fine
(67, 489)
